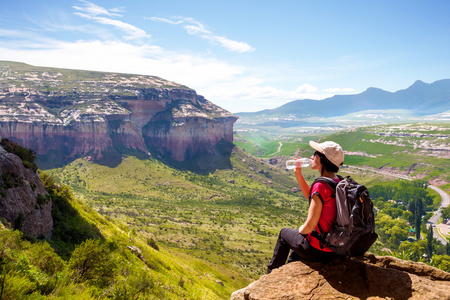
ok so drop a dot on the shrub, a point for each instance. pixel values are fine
(91, 261)
(152, 243)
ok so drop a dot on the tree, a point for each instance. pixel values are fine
(442, 262)
(91, 261)
(418, 220)
(415, 250)
(430, 242)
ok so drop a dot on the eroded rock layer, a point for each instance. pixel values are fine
(72, 113)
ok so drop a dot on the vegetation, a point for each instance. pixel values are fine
(400, 221)
(230, 216)
(107, 262)
(146, 230)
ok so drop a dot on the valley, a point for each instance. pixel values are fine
(232, 216)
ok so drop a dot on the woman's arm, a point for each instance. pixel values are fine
(301, 181)
(315, 209)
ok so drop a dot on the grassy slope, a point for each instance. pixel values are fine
(31, 269)
(167, 266)
(232, 224)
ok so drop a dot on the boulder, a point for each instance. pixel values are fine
(367, 277)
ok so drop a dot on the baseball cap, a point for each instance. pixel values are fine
(331, 150)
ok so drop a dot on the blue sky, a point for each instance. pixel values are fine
(244, 55)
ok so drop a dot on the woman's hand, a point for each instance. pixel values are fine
(298, 165)
(302, 184)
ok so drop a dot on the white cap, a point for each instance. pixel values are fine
(331, 150)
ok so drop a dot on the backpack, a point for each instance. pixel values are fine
(353, 232)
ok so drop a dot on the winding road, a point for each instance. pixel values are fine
(444, 229)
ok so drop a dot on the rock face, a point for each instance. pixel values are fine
(369, 277)
(70, 114)
(24, 202)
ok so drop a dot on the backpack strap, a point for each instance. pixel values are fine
(331, 183)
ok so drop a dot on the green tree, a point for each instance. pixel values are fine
(446, 212)
(92, 261)
(418, 221)
(442, 262)
(430, 242)
(415, 250)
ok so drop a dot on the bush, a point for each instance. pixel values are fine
(92, 262)
(152, 243)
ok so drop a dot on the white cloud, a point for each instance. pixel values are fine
(94, 12)
(196, 28)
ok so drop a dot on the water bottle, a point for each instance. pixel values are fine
(290, 164)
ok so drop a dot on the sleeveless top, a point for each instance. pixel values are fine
(328, 215)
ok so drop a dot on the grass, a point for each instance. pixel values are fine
(203, 215)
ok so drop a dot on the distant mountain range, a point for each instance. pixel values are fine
(421, 98)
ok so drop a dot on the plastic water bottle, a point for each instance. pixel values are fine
(290, 164)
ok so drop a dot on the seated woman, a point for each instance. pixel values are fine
(327, 159)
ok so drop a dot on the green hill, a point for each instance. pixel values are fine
(229, 217)
(91, 256)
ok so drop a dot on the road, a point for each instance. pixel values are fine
(279, 149)
(437, 214)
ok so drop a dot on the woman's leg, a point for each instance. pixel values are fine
(287, 239)
(291, 239)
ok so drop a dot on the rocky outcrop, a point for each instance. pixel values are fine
(24, 202)
(368, 277)
(70, 114)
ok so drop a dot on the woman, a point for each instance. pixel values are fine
(327, 159)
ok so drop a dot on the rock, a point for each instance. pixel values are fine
(24, 202)
(367, 277)
(295, 190)
(136, 251)
(103, 112)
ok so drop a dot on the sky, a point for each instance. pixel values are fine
(243, 55)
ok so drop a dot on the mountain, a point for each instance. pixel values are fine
(420, 98)
(64, 114)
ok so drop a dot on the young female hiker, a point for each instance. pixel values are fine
(327, 159)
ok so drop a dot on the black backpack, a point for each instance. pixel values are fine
(353, 232)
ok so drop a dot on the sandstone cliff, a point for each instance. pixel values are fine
(369, 277)
(70, 113)
(24, 202)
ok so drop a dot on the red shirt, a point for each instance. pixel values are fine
(328, 214)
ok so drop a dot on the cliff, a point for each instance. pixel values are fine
(24, 202)
(368, 277)
(69, 113)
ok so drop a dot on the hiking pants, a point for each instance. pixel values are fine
(291, 239)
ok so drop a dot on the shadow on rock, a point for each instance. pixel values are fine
(367, 277)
